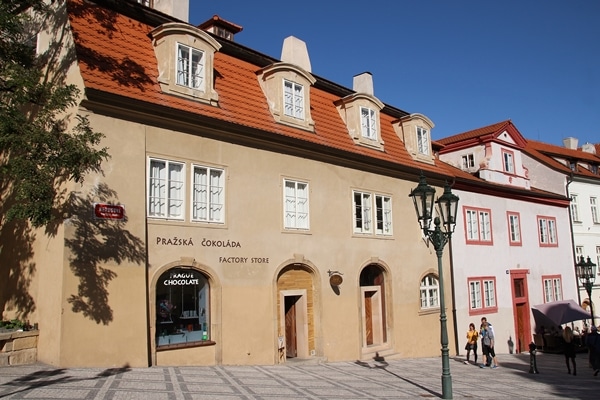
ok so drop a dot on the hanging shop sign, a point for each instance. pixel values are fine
(109, 211)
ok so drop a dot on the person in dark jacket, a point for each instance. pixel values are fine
(569, 349)
(593, 345)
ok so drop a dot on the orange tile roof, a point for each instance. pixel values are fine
(116, 55)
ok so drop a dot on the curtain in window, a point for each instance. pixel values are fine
(200, 195)
(217, 200)
(489, 298)
(484, 220)
(290, 204)
(182, 65)
(557, 290)
(366, 212)
(472, 225)
(302, 201)
(298, 101)
(288, 99)
(157, 188)
(176, 190)
(475, 295)
(197, 69)
(368, 123)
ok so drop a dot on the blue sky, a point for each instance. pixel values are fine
(464, 64)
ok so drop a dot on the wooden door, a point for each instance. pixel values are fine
(372, 315)
(291, 343)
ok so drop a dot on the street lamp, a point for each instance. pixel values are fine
(423, 198)
(586, 272)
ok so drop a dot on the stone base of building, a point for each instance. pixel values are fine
(18, 348)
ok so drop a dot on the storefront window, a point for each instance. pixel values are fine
(182, 308)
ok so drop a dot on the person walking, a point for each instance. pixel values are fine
(569, 349)
(487, 341)
(593, 344)
(472, 337)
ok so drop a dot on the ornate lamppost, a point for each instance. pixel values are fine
(586, 272)
(423, 198)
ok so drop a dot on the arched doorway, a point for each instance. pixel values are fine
(373, 307)
(295, 303)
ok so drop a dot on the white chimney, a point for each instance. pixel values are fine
(294, 51)
(570, 143)
(363, 83)
(179, 9)
(589, 148)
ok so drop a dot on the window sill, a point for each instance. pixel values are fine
(202, 343)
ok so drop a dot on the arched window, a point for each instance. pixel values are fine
(430, 289)
(182, 308)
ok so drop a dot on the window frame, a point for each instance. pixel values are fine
(469, 226)
(575, 208)
(552, 288)
(423, 140)
(429, 292)
(191, 75)
(508, 161)
(468, 161)
(514, 229)
(215, 212)
(167, 199)
(179, 311)
(547, 227)
(377, 218)
(594, 209)
(479, 302)
(297, 209)
(368, 123)
(296, 112)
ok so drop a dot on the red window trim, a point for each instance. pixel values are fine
(483, 309)
(546, 277)
(547, 218)
(478, 241)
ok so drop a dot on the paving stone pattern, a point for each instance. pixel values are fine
(394, 379)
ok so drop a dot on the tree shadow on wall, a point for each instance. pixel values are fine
(16, 267)
(94, 242)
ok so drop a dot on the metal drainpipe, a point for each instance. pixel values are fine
(569, 181)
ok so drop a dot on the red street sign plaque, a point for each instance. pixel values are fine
(109, 211)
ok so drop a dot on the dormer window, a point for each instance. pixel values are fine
(508, 161)
(368, 122)
(573, 166)
(293, 99)
(468, 161)
(415, 131)
(190, 67)
(185, 57)
(423, 140)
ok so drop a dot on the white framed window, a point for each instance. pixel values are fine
(547, 231)
(478, 226)
(514, 228)
(363, 208)
(383, 215)
(190, 67)
(552, 288)
(508, 161)
(422, 140)
(430, 289)
(368, 123)
(365, 213)
(575, 208)
(598, 256)
(166, 188)
(293, 99)
(578, 252)
(482, 294)
(594, 209)
(295, 210)
(208, 194)
(468, 161)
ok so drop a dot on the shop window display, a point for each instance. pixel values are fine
(182, 309)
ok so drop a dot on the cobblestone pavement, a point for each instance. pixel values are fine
(394, 379)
